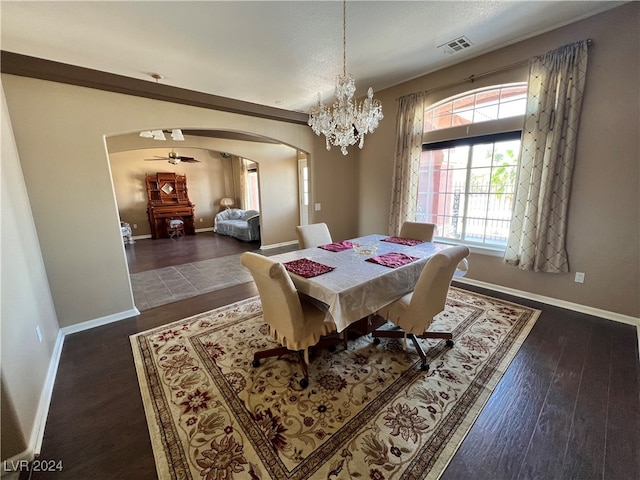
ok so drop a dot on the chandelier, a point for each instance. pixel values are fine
(346, 122)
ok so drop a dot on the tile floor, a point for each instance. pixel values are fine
(170, 284)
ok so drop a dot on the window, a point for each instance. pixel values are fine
(467, 177)
(252, 192)
(481, 105)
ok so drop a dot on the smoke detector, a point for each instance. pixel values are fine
(456, 45)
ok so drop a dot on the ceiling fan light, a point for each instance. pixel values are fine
(176, 134)
(158, 135)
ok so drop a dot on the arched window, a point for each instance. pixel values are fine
(469, 163)
(481, 105)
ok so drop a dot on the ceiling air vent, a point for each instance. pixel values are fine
(455, 46)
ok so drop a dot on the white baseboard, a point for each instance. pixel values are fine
(148, 235)
(88, 325)
(141, 237)
(276, 245)
(576, 307)
(37, 434)
(42, 412)
(35, 442)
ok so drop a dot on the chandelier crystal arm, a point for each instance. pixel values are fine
(346, 122)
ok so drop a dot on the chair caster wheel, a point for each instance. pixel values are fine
(304, 383)
(255, 363)
(424, 367)
(376, 341)
(449, 343)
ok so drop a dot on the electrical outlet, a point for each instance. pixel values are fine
(579, 277)
(200, 219)
(318, 207)
(135, 225)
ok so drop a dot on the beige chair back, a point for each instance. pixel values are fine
(430, 293)
(281, 305)
(418, 231)
(313, 235)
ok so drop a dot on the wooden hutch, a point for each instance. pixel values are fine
(168, 200)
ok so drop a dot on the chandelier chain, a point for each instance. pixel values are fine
(344, 38)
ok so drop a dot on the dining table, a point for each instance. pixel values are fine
(355, 278)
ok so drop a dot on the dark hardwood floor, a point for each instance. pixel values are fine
(568, 406)
(148, 254)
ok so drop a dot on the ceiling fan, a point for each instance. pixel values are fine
(173, 158)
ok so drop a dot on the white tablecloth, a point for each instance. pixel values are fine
(357, 288)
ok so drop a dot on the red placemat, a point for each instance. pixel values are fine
(337, 246)
(392, 259)
(307, 268)
(403, 241)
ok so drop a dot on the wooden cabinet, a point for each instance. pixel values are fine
(168, 200)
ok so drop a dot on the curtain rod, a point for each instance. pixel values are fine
(471, 78)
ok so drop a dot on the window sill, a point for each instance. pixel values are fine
(492, 252)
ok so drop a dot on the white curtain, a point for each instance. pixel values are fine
(539, 223)
(409, 126)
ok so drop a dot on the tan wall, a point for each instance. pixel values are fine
(13, 441)
(69, 173)
(604, 228)
(60, 214)
(335, 186)
(63, 215)
(210, 180)
(205, 183)
(26, 304)
(60, 130)
(334, 182)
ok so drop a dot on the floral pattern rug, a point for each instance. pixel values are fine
(369, 412)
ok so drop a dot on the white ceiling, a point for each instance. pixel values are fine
(275, 53)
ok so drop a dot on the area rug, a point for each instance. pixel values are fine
(154, 288)
(369, 411)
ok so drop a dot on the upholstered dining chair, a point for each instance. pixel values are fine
(413, 313)
(293, 322)
(418, 231)
(313, 235)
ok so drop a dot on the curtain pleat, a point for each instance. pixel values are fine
(240, 173)
(409, 127)
(537, 240)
